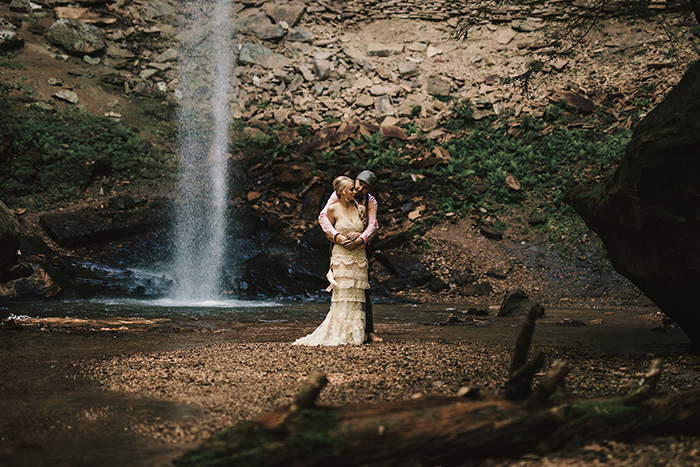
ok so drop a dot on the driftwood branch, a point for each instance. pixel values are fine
(306, 398)
(551, 381)
(522, 372)
(647, 385)
(519, 385)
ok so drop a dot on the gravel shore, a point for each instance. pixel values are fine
(211, 377)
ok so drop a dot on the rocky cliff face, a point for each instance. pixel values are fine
(337, 70)
(648, 211)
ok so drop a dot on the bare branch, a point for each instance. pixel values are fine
(308, 393)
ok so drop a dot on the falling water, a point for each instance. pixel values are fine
(206, 69)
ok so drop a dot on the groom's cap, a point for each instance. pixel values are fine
(368, 177)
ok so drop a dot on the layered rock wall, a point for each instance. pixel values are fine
(648, 211)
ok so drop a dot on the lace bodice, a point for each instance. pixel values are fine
(345, 226)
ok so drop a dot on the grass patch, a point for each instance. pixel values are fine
(57, 156)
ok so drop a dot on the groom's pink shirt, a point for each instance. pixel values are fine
(372, 224)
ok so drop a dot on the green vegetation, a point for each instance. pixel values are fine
(7, 60)
(606, 409)
(545, 156)
(58, 155)
(308, 436)
(505, 170)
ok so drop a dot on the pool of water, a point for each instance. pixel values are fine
(214, 310)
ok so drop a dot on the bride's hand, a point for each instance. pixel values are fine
(353, 236)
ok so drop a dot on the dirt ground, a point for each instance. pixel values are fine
(80, 392)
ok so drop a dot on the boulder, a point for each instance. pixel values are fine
(9, 40)
(256, 54)
(91, 226)
(647, 212)
(37, 285)
(21, 6)
(311, 204)
(76, 37)
(9, 237)
(517, 303)
(292, 174)
(290, 13)
(89, 279)
(406, 267)
(437, 285)
(260, 26)
(462, 277)
(478, 289)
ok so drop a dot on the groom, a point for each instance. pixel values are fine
(363, 183)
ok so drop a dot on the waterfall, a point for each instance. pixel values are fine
(206, 71)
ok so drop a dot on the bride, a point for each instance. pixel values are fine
(348, 274)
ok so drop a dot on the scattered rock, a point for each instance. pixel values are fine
(497, 272)
(478, 289)
(68, 96)
(490, 232)
(9, 39)
(260, 26)
(405, 266)
(76, 37)
(383, 106)
(256, 54)
(437, 285)
(438, 87)
(408, 69)
(38, 285)
(299, 35)
(462, 277)
(289, 13)
(292, 174)
(21, 6)
(517, 303)
(571, 322)
(582, 103)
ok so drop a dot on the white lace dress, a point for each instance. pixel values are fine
(345, 322)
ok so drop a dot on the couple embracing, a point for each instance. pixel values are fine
(349, 220)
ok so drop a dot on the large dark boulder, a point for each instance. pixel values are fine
(647, 212)
(407, 267)
(9, 238)
(101, 225)
(517, 303)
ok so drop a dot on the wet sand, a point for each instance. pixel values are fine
(88, 393)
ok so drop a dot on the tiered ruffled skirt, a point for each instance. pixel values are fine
(345, 322)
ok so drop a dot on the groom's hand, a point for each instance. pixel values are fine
(357, 243)
(343, 241)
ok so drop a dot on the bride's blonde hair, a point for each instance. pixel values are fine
(342, 183)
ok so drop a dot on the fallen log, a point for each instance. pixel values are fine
(450, 430)
(441, 430)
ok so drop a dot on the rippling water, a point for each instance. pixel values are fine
(233, 310)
